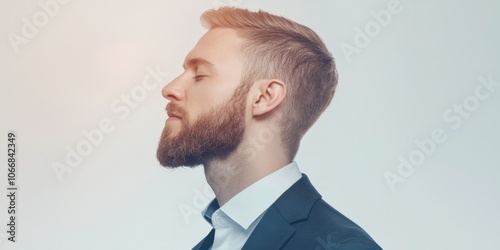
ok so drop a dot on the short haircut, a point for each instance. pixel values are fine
(278, 48)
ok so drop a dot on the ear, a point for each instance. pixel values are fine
(268, 95)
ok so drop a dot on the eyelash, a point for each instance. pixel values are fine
(199, 77)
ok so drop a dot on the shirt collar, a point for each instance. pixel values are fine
(245, 207)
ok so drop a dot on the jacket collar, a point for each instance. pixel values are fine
(275, 227)
(207, 242)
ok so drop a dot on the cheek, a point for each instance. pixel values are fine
(204, 98)
(200, 102)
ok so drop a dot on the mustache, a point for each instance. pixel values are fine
(176, 109)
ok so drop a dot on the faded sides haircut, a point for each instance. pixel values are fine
(278, 48)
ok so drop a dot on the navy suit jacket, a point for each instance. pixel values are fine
(301, 220)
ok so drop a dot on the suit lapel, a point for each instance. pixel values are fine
(271, 232)
(275, 228)
(206, 242)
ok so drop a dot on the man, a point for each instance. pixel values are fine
(252, 86)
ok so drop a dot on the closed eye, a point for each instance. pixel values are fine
(199, 77)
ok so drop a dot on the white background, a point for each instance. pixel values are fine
(395, 90)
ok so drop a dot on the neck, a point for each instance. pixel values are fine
(229, 176)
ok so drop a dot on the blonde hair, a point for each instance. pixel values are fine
(279, 48)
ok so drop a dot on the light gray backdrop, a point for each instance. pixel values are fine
(409, 148)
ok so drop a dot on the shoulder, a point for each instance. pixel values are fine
(326, 228)
(316, 224)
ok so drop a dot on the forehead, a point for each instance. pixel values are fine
(215, 48)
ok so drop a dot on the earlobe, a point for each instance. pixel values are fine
(270, 93)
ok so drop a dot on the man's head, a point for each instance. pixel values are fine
(248, 69)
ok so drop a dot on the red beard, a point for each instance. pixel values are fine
(215, 134)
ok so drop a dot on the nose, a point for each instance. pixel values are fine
(173, 91)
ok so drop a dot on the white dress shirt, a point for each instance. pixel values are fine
(235, 221)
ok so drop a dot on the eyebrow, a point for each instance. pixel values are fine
(195, 62)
